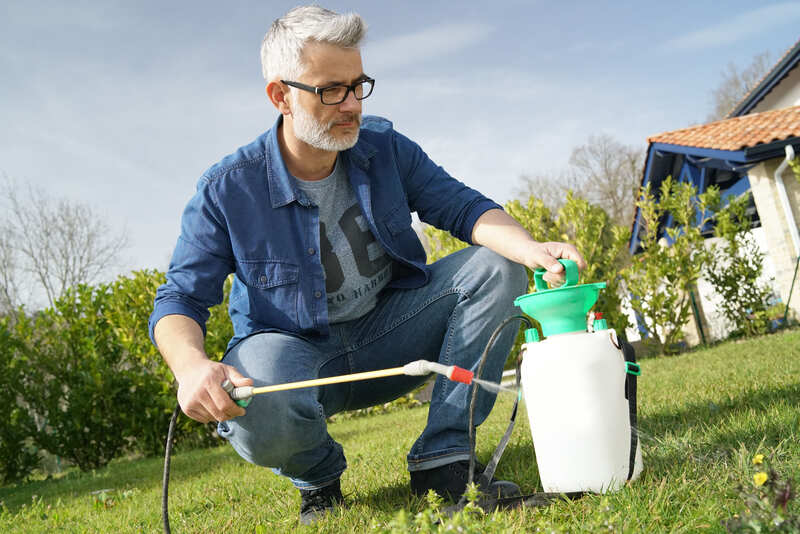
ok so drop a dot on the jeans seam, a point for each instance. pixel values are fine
(338, 354)
(448, 344)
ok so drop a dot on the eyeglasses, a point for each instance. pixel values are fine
(336, 94)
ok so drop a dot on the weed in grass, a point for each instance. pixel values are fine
(767, 499)
(468, 520)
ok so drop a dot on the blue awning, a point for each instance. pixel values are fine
(702, 167)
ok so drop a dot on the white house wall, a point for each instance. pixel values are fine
(783, 95)
(716, 325)
(777, 240)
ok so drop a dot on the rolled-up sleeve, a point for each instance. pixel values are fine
(200, 263)
(438, 198)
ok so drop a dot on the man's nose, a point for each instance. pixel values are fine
(350, 103)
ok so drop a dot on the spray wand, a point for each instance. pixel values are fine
(243, 395)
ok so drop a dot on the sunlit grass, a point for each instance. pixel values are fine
(703, 416)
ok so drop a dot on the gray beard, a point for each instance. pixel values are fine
(318, 135)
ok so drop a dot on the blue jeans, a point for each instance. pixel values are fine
(448, 320)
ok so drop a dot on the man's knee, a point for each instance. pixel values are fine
(508, 276)
(277, 427)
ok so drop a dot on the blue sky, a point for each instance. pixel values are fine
(123, 105)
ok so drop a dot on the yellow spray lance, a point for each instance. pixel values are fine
(243, 395)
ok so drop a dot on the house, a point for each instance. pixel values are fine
(745, 152)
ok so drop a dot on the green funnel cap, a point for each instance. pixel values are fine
(562, 309)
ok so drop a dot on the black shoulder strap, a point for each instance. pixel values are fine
(632, 371)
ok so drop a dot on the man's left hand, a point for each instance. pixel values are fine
(547, 255)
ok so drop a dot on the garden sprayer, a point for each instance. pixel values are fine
(579, 384)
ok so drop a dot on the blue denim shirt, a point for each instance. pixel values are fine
(248, 218)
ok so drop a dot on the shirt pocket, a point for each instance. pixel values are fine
(402, 235)
(398, 220)
(270, 293)
(267, 274)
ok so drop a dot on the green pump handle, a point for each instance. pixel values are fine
(570, 272)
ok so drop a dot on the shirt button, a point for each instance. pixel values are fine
(311, 251)
(263, 278)
(318, 294)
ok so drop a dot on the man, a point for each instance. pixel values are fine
(314, 219)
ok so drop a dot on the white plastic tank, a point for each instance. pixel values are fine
(574, 388)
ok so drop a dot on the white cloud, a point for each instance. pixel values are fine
(425, 45)
(737, 28)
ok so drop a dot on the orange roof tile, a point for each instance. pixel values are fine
(739, 132)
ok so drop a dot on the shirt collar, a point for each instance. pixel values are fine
(282, 190)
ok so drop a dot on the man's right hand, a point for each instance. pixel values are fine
(200, 392)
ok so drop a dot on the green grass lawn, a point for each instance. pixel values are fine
(703, 416)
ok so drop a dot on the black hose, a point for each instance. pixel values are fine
(167, 456)
(478, 373)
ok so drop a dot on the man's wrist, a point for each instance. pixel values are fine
(531, 254)
(187, 362)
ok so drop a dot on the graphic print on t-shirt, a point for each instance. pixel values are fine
(356, 265)
(360, 241)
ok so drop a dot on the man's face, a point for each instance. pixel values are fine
(327, 127)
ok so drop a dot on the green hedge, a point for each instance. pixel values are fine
(82, 381)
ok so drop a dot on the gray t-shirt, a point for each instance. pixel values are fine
(356, 265)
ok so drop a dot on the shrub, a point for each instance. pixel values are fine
(78, 381)
(604, 246)
(795, 166)
(87, 371)
(579, 222)
(734, 270)
(17, 455)
(661, 277)
(127, 311)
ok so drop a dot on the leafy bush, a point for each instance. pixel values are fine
(795, 166)
(734, 270)
(78, 380)
(86, 372)
(579, 222)
(127, 311)
(17, 455)
(604, 246)
(661, 277)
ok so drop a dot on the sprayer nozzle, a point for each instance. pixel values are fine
(453, 372)
(459, 374)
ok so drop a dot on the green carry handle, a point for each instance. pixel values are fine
(562, 309)
(570, 273)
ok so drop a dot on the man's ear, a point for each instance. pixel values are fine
(277, 94)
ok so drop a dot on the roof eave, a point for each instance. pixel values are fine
(737, 156)
(775, 149)
(787, 63)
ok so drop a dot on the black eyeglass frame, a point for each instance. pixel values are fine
(350, 88)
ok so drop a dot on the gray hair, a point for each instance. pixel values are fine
(282, 48)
